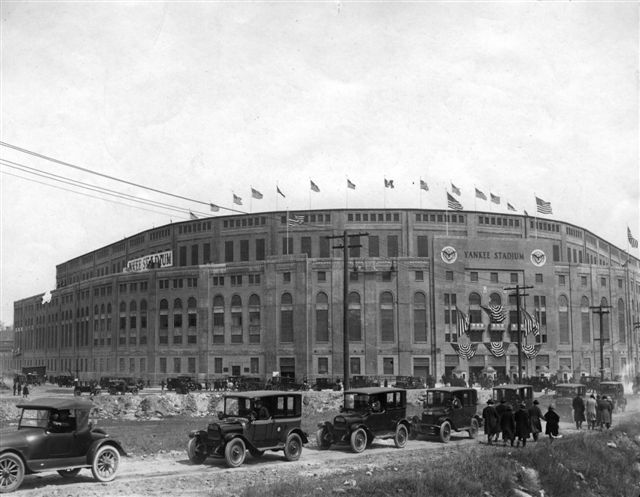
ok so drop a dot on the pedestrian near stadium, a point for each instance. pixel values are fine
(553, 423)
(578, 411)
(491, 422)
(535, 415)
(591, 412)
(508, 426)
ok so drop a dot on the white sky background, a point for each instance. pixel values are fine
(202, 99)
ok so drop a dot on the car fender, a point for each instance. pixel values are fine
(198, 433)
(404, 421)
(353, 427)
(27, 469)
(99, 443)
(302, 434)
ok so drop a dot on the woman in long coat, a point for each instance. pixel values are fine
(553, 423)
(508, 425)
(605, 408)
(523, 425)
(535, 415)
(491, 422)
(591, 412)
(578, 411)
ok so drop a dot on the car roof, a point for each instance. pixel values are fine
(571, 385)
(374, 390)
(511, 387)
(261, 393)
(450, 389)
(610, 383)
(57, 403)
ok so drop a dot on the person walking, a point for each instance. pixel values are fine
(491, 422)
(578, 411)
(605, 407)
(599, 406)
(535, 415)
(523, 425)
(508, 426)
(501, 408)
(553, 423)
(591, 412)
(162, 384)
(25, 391)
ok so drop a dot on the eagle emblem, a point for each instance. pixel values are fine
(449, 254)
(538, 257)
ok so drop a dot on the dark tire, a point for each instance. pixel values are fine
(11, 472)
(473, 431)
(293, 447)
(401, 436)
(323, 439)
(235, 452)
(105, 463)
(197, 450)
(359, 440)
(69, 473)
(445, 432)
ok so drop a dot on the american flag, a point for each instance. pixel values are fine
(313, 186)
(453, 203)
(214, 207)
(192, 215)
(462, 322)
(296, 220)
(480, 194)
(495, 198)
(530, 324)
(237, 200)
(351, 185)
(496, 313)
(543, 207)
(510, 207)
(424, 186)
(455, 189)
(388, 183)
(632, 241)
(256, 194)
(280, 191)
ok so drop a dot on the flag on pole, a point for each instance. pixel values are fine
(237, 200)
(314, 187)
(495, 198)
(424, 186)
(455, 189)
(632, 241)
(214, 207)
(543, 207)
(462, 322)
(388, 183)
(480, 194)
(280, 191)
(192, 215)
(510, 207)
(453, 203)
(526, 213)
(295, 220)
(530, 323)
(256, 194)
(350, 185)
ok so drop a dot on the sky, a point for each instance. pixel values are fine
(209, 99)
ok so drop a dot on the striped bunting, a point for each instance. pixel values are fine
(496, 348)
(462, 322)
(466, 351)
(496, 312)
(531, 351)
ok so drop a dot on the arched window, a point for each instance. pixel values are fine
(143, 322)
(133, 306)
(164, 305)
(355, 317)
(604, 332)
(122, 317)
(475, 312)
(236, 319)
(254, 319)
(622, 328)
(387, 331)
(177, 315)
(322, 317)
(123, 307)
(133, 315)
(585, 320)
(218, 319)
(563, 319)
(109, 308)
(419, 317)
(495, 299)
(286, 318)
(192, 313)
(96, 309)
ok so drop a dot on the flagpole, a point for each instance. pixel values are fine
(446, 216)
(277, 188)
(346, 196)
(251, 200)
(286, 240)
(384, 194)
(420, 192)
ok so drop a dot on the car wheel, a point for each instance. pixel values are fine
(445, 432)
(235, 452)
(293, 447)
(69, 473)
(11, 472)
(401, 436)
(196, 450)
(323, 439)
(359, 440)
(105, 463)
(473, 431)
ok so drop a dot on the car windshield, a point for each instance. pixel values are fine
(437, 398)
(356, 402)
(237, 407)
(34, 418)
(609, 388)
(568, 391)
(508, 394)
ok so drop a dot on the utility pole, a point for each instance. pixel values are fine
(600, 310)
(517, 295)
(345, 298)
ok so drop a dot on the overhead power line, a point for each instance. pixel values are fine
(113, 178)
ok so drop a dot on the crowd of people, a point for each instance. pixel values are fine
(526, 422)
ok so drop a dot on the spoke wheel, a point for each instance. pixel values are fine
(68, 473)
(323, 439)
(293, 447)
(358, 440)
(11, 472)
(473, 431)
(445, 432)
(105, 463)
(401, 436)
(235, 452)
(196, 450)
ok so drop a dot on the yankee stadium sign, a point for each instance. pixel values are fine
(162, 259)
(486, 254)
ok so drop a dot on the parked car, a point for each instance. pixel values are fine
(255, 422)
(514, 395)
(90, 387)
(183, 384)
(120, 387)
(448, 409)
(563, 398)
(54, 434)
(368, 413)
(614, 390)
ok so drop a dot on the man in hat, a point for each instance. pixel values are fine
(523, 424)
(508, 425)
(501, 408)
(491, 422)
(578, 411)
(553, 423)
(535, 415)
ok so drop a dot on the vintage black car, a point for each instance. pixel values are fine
(367, 413)
(563, 398)
(614, 390)
(514, 395)
(183, 384)
(54, 434)
(254, 422)
(448, 409)
(90, 387)
(120, 387)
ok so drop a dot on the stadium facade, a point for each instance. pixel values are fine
(254, 294)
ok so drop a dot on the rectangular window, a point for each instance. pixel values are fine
(244, 250)
(448, 275)
(191, 365)
(228, 251)
(163, 364)
(206, 253)
(182, 258)
(354, 365)
(603, 282)
(556, 253)
(374, 246)
(387, 365)
(325, 246)
(260, 249)
(514, 278)
(323, 365)
(287, 245)
(286, 277)
(419, 275)
(562, 280)
(194, 255)
(583, 280)
(254, 365)
(322, 276)
(473, 276)
(392, 246)
(423, 246)
(538, 277)
(176, 364)
(494, 277)
(217, 365)
(305, 245)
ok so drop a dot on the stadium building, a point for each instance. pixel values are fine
(254, 294)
